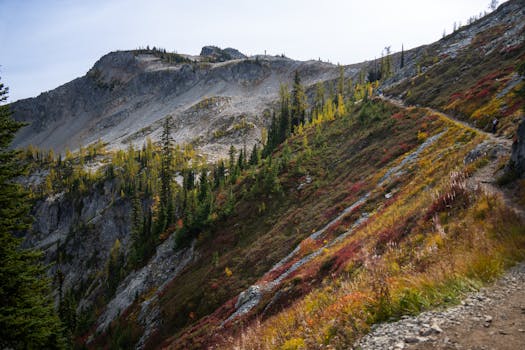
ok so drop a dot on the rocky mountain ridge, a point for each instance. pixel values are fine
(215, 100)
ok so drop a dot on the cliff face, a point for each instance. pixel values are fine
(126, 96)
(78, 232)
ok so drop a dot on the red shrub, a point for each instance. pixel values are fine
(391, 234)
(512, 108)
(483, 93)
(357, 187)
(344, 255)
(456, 96)
(398, 116)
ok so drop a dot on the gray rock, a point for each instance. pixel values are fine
(517, 158)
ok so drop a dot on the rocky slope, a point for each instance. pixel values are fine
(215, 100)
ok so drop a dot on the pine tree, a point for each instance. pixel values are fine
(205, 200)
(27, 316)
(232, 167)
(285, 123)
(299, 104)
(219, 174)
(137, 228)
(254, 157)
(167, 209)
(319, 99)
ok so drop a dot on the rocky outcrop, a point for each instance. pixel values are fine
(517, 158)
(220, 55)
(163, 267)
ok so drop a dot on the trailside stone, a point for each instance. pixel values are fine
(517, 158)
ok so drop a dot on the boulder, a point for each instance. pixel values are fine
(517, 158)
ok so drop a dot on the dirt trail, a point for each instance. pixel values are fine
(493, 318)
(485, 178)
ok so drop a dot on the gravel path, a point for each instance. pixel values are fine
(493, 318)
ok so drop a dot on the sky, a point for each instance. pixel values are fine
(46, 43)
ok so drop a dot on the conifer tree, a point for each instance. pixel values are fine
(166, 210)
(27, 316)
(254, 157)
(285, 123)
(137, 228)
(232, 167)
(319, 98)
(299, 105)
(219, 174)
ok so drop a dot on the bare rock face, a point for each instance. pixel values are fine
(517, 158)
(76, 233)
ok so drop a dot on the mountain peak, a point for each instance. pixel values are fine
(215, 53)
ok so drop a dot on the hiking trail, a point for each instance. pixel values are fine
(492, 318)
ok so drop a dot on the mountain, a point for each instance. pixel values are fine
(394, 196)
(214, 100)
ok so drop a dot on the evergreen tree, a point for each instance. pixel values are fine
(285, 123)
(137, 228)
(233, 170)
(241, 161)
(319, 98)
(188, 179)
(254, 157)
(167, 209)
(273, 136)
(205, 200)
(219, 174)
(299, 105)
(27, 316)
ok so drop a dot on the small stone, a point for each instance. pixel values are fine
(411, 340)
(435, 328)
(425, 332)
(503, 332)
(488, 318)
(399, 345)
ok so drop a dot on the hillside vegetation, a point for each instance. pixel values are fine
(362, 201)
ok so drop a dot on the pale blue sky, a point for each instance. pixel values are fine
(46, 43)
